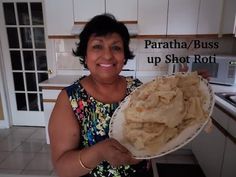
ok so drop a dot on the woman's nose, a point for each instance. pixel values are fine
(107, 54)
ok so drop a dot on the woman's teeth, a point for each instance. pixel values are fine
(106, 65)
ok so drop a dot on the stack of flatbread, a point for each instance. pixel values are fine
(159, 110)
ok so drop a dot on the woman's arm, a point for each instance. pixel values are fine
(64, 133)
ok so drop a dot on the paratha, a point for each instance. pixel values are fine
(163, 115)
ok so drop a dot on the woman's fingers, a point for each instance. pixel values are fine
(205, 74)
(115, 153)
(120, 147)
(183, 67)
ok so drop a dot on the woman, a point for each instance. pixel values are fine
(79, 123)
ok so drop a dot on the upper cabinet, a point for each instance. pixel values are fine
(123, 10)
(183, 17)
(59, 17)
(152, 17)
(210, 13)
(84, 10)
(229, 15)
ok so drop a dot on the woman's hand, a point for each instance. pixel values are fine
(204, 73)
(114, 153)
(183, 67)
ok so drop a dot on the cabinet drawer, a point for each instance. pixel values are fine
(228, 169)
(208, 148)
(50, 94)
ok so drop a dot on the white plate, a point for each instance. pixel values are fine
(188, 134)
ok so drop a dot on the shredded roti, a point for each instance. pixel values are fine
(159, 110)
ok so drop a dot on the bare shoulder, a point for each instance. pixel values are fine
(63, 125)
(62, 104)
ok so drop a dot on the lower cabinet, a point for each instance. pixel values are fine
(48, 107)
(208, 148)
(50, 94)
(229, 163)
(216, 150)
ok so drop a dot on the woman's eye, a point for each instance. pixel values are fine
(97, 46)
(116, 48)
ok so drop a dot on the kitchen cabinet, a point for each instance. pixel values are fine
(220, 117)
(228, 168)
(48, 107)
(216, 151)
(152, 17)
(229, 15)
(182, 17)
(51, 89)
(209, 19)
(123, 10)
(50, 95)
(59, 17)
(84, 10)
(208, 149)
(232, 126)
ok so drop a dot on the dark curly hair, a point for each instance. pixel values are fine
(101, 25)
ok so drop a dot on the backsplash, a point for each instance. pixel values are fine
(146, 50)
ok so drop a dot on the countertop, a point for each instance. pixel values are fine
(65, 80)
(59, 81)
(224, 104)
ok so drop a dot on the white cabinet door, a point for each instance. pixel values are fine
(84, 10)
(48, 107)
(232, 126)
(228, 169)
(208, 148)
(59, 17)
(49, 100)
(183, 17)
(210, 16)
(123, 10)
(152, 17)
(228, 16)
(221, 117)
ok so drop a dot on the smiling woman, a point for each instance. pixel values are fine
(79, 124)
(105, 56)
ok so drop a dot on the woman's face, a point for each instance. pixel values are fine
(105, 56)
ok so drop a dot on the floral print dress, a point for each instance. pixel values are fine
(94, 118)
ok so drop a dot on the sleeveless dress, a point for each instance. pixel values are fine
(94, 118)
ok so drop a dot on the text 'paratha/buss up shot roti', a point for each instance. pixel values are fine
(163, 115)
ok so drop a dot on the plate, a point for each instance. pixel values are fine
(188, 134)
